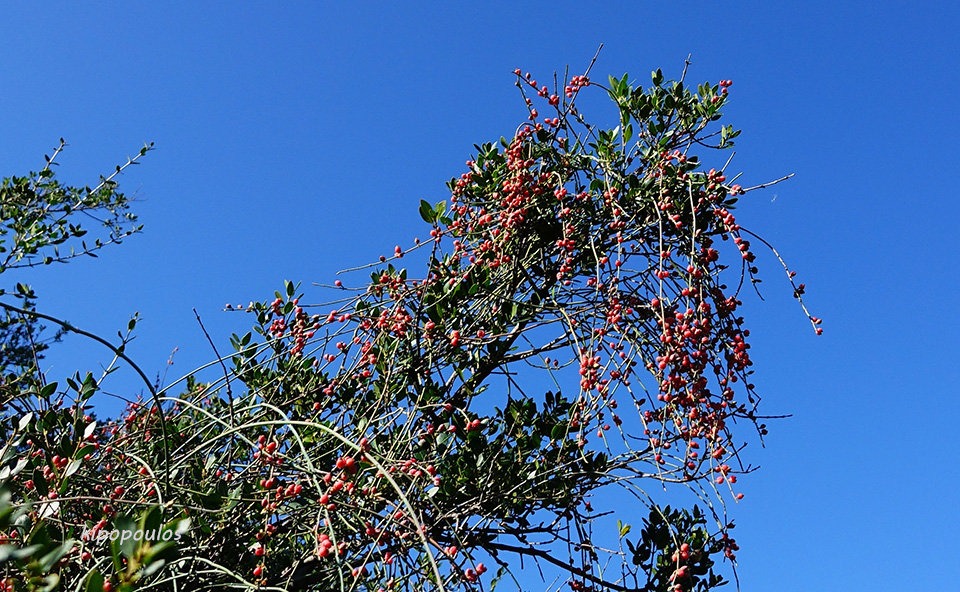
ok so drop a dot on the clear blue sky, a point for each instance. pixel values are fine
(295, 139)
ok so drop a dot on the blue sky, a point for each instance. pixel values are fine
(296, 139)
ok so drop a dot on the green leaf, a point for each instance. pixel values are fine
(427, 212)
(47, 561)
(152, 519)
(153, 564)
(124, 545)
(558, 431)
(94, 581)
(657, 76)
(72, 468)
(40, 482)
(6, 472)
(88, 431)
(84, 450)
(11, 552)
(179, 526)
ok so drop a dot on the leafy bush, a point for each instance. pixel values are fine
(574, 341)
